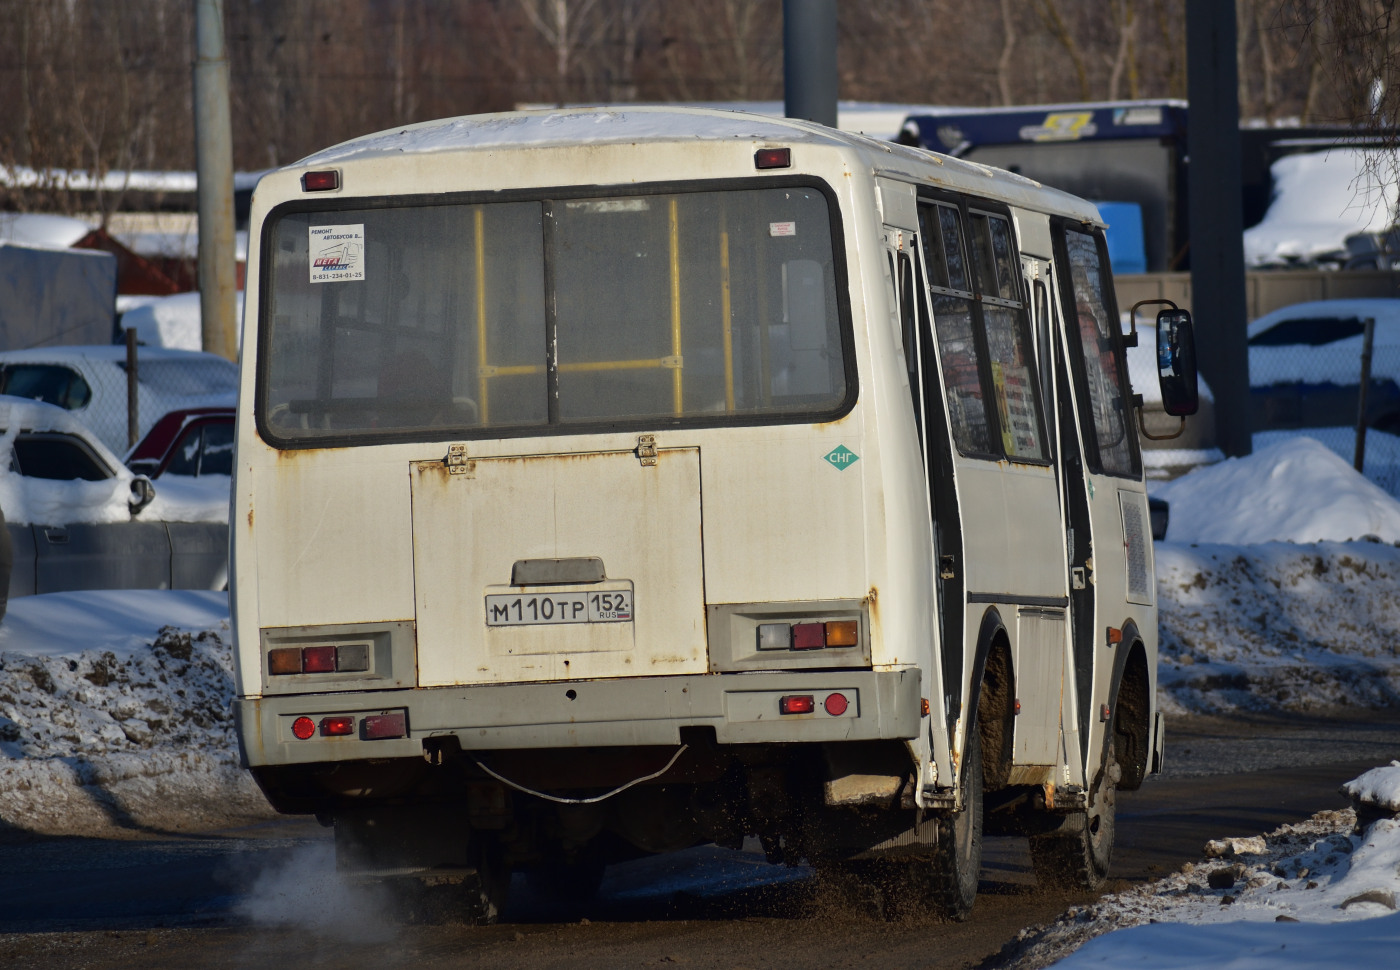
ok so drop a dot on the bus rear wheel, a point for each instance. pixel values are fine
(957, 862)
(1077, 854)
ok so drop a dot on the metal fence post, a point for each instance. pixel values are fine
(1368, 337)
(133, 423)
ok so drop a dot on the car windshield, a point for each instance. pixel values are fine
(553, 314)
(50, 383)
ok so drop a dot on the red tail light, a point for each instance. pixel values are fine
(836, 704)
(303, 728)
(318, 660)
(337, 726)
(797, 704)
(808, 636)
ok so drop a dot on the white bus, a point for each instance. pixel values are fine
(614, 481)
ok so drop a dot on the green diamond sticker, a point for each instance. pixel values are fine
(842, 457)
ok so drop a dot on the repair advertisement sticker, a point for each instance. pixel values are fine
(337, 253)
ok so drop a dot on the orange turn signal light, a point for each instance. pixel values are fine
(842, 633)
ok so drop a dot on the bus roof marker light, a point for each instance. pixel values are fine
(772, 158)
(326, 181)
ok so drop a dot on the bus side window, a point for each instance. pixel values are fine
(1010, 351)
(1087, 292)
(951, 293)
(908, 326)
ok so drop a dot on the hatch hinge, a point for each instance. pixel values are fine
(457, 462)
(646, 449)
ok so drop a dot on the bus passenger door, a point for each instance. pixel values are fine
(946, 527)
(1107, 523)
(985, 396)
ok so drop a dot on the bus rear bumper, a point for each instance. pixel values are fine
(747, 708)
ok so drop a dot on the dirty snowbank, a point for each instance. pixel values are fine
(1248, 622)
(111, 721)
(1316, 894)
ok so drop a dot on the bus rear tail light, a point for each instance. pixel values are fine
(813, 635)
(797, 704)
(321, 659)
(338, 726)
(393, 724)
(318, 660)
(303, 728)
(842, 633)
(836, 704)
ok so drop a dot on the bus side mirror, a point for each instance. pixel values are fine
(1176, 363)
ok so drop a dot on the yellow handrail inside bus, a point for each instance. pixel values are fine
(727, 321)
(673, 362)
(481, 382)
(677, 399)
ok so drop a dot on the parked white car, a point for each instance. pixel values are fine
(1305, 364)
(90, 382)
(77, 518)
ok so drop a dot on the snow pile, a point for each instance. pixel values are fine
(107, 722)
(1382, 451)
(1277, 626)
(174, 321)
(1297, 897)
(1319, 199)
(1378, 788)
(1294, 490)
(41, 230)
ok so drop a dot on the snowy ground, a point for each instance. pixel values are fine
(114, 714)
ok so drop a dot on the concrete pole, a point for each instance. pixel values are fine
(809, 60)
(214, 166)
(1217, 221)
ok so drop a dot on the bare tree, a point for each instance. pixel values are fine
(566, 25)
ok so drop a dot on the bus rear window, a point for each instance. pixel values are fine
(552, 315)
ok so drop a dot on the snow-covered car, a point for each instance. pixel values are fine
(78, 518)
(90, 381)
(187, 441)
(1305, 365)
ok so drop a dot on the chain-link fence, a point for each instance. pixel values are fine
(1314, 390)
(92, 383)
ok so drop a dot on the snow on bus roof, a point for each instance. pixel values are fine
(580, 125)
(657, 124)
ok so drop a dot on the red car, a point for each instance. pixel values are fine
(187, 441)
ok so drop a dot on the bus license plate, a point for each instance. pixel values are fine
(508, 609)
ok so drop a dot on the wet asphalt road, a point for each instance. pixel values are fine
(265, 894)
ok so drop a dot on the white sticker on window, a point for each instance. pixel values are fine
(782, 228)
(337, 253)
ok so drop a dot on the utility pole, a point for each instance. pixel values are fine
(809, 60)
(1217, 221)
(214, 168)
